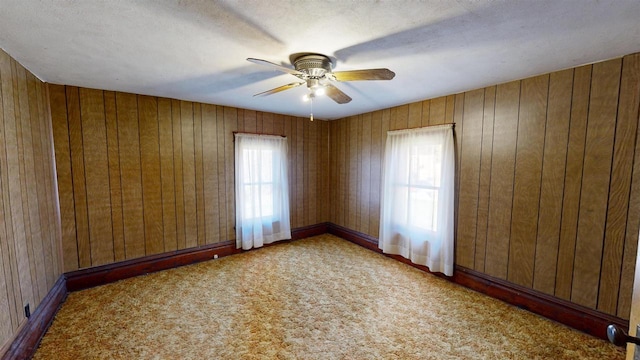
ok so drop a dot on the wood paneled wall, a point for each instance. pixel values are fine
(30, 260)
(548, 178)
(141, 175)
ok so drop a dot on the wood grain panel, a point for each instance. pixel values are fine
(595, 181)
(58, 101)
(619, 191)
(115, 188)
(484, 176)
(29, 191)
(167, 175)
(402, 119)
(130, 172)
(352, 168)
(306, 153)
(44, 181)
(210, 174)
(437, 111)
(528, 172)
(502, 175)
(230, 125)
(298, 206)
(188, 174)
(365, 172)
(552, 186)
(79, 184)
(197, 133)
(178, 173)
(450, 104)
(426, 110)
(151, 180)
(415, 115)
(457, 134)
(573, 180)
(222, 188)
(28, 262)
(469, 177)
(48, 171)
(311, 163)
(94, 140)
(9, 275)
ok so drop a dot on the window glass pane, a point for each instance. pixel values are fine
(426, 164)
(422, 208)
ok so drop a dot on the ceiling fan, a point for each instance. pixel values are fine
(315, 70)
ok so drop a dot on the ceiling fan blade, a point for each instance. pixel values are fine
(280, 88)
(368, 74)
(275, 66)
(336, 94)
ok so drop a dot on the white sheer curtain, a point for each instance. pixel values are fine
(417, 196)
(262, 190)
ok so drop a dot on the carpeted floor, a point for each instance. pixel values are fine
(317, 298)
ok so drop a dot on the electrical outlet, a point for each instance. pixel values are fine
(27, 311)
(215, 256)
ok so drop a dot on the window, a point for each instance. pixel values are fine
(417, 198)
(262, 197)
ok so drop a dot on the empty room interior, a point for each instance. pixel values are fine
(319, 179)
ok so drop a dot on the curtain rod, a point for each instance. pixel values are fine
(256, 133)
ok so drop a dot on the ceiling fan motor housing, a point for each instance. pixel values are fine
(314, 65)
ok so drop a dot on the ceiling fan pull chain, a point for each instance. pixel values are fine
(311, 101)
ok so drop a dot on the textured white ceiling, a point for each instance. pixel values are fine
(196, 50)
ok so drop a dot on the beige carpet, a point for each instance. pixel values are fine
(318, 298)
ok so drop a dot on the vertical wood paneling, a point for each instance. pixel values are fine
(58, 101)
(375, 172)
(469, 177)
(197, 133)
(573, 180)
(485, 175)
(298, 206)
(178, 173)
(365, 175)
(502, 174)
(210, 173)
(619, 190)
(222, 189)
(552, 186)
(115, 188)
(151, 180)
(605, 84)
(94, 140)
(230, 125)
(357, 136)
(352, 168)
(415, 115)
(30, 262)
(167, 175)
(79, 185)
(41, 162)
(130, 172)
(29, 191)
(437, 111)
(526, 188)
(457, 134)
(426, 111)
(630, 88)
(7, 240)
(188, 174)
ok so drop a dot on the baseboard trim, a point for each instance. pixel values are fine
(105, 274)
(26, 342)
(573, 315)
